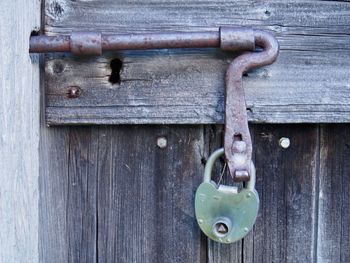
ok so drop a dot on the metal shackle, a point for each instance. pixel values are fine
(216, 155)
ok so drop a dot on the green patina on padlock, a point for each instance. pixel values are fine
(223, 213)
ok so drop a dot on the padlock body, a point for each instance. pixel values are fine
(225, 216)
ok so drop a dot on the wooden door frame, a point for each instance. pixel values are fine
(20, 132)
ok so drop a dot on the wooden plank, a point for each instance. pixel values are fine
(146, 195)
(68, 225)
(334, 195)
(286, 183)
(19, 129)
(308, 83)
(54, 159)
(110, 194)
(82, 195)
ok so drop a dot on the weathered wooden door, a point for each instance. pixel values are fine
(109, 192)
(112, 195)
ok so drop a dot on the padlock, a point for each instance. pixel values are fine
(224, 213)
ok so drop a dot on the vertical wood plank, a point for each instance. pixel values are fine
(53, 231)
(19, 133)
(68, 195)
(82, 193)
(146, 195)
(334, 195)
(286, 183)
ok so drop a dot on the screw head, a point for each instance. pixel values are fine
(162, 142)
(284, 142)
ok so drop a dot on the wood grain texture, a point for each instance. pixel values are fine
(54, 159)
(82, 195)
(19, 133)
(334, 195)
(308, 83)
(286, 183)
(68, 195)
(109, 194)
(146, 195)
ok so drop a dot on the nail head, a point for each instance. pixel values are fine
(284, 142)
(162, 142)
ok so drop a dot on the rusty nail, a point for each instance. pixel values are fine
(73, 92)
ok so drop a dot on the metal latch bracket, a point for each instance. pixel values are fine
(237, 141)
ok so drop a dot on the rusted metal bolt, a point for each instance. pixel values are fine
(162, 142)
(284, 142)
(73, 92)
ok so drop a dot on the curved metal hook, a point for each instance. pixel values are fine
(237, 141)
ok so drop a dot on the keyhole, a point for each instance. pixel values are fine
(116, 66)
(221, 228)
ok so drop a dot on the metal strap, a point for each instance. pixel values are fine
(237, 142)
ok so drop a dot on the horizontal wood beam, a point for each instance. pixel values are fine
(308, 83)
